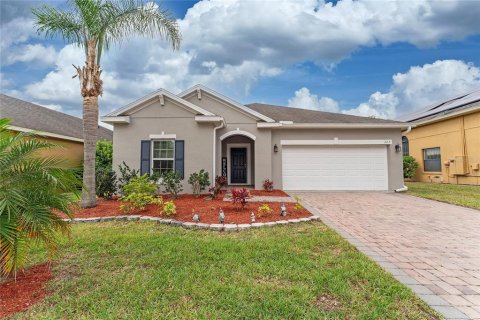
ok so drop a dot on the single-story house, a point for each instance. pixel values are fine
(298, 149)
(445, 140)
(56, 127)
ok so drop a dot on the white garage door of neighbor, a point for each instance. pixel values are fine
(332, 168)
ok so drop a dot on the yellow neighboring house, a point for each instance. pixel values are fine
(445, 140)
(56, 127)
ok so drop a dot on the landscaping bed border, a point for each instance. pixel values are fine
(194, 225)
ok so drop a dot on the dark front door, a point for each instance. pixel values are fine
(239, 165)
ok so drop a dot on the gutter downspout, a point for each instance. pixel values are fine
(404, 188)
(215, 147)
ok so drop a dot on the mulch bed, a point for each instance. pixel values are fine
(17, 296)
(273, 193)
(207, 210)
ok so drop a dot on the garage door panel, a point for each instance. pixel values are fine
(335, 168)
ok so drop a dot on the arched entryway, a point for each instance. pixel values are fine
(238, 154)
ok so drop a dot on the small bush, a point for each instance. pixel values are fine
(239, 197)
(268, 185)
(139, 193)
(169, 208)
(141, 184)
(105, 183)
(171, 183)
(298, 204)
(220, 182)
(199, 181)
(103, 155)
(264, 210)
(136, 202)
(126, 174)
(410, 166)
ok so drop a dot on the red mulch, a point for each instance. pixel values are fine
(273, 193)
(206, 209)
(16, 296)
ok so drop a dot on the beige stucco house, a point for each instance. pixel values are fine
(298, 149)
(56, 127)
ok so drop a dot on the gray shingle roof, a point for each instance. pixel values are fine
(464, 101)
(279, 113)
(31, 116)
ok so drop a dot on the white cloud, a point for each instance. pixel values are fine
(46, 55)
(419, 87)
(305, 100)
(230, 45)
(16, 31)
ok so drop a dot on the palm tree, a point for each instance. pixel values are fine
(32, 188)
(95, 25)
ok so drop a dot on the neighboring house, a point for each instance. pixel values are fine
(445, 140)
(56, 127)
(298, 149)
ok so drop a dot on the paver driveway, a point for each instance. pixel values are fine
(431, 246)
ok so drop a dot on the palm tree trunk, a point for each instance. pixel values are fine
(91, 88)
(90, 126)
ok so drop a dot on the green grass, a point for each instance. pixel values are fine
(143, 270)
(467, 196)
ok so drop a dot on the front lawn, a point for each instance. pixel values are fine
(467, 196)
(144, 270)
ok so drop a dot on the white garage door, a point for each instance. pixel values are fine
(335, 167)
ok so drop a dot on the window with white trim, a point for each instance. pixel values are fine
(432, 160)
(163, 156)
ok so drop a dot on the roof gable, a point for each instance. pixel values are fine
(227, 101)
(158, 95)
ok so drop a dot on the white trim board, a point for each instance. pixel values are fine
(44, 133)
(118, 119)
(163, 136)
(249, 163)
(159, 93)
(237, 132)
(277, 125)
(333, 142)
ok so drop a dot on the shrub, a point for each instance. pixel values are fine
(105, 183)
(103, 155)
(239, 197)
(264, 210)
(220, 182)
(298, 204)
(169, 208)
(136, 202)
(268, 185)
(410, 166)
(126, 174)
(141, 184)
(139, 193)
(171, 182)
(199, 181)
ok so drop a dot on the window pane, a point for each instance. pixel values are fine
(405, 146)
(166, 144)
(432, 160)
(163, 149)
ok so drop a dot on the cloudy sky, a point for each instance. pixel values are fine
(372, 58)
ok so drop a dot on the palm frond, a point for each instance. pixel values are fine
(53, 23)
(33, 190)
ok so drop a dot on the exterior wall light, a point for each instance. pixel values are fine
(398, 148)
(275, 148)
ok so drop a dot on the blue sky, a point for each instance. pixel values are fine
(365, 58)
